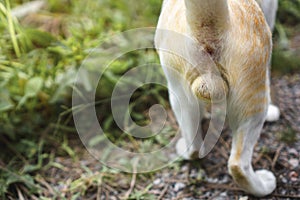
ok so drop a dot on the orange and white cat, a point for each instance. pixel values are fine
(236, 37)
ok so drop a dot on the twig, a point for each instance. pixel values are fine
(222, 152)
(163, 192)
(287, 196)
(258, 158)
(20, 195)
(276, 156)
(183, 196)
(214, 196)
(187, 173)
(217, 166)
(132, 184)
(108, 189)
(27, 191)
(225, 144)
(99, 192)
(221, 186)
(42, 181)
(106, 194)
(133, 180)
(175, 181)
(92, 197)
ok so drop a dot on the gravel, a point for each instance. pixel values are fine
(278, 150)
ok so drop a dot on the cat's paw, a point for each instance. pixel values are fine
(273, 113)
(184, 151)
(268, 180)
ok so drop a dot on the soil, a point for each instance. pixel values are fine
(278, 150)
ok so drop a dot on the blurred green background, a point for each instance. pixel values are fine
(39, 53)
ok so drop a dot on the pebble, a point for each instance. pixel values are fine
(179, 186)
(294, 163)
(294, 176)
(157, 181)
(113, 198)
(223, 194)
(190, 198)
(185, 168)
(225, 179)
(293, 152)
(220, 198)
(212, 180)
(283, 179)
(193, 173)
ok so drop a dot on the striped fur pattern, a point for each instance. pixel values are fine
(238, 39)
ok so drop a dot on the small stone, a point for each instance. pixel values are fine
(185, 168)
(193, 173)
(179, 186)
(225, 179)
(284, 180)
(157, 181)
(294, 176)
(283, 192)
(223, 194)
(293, 179)
(294, 162)
(212, 180)
(244, 198)
(293, 152)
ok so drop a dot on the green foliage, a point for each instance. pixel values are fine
(37, 70)
(286, 54)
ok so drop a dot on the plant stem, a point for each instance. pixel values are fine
(11, 29)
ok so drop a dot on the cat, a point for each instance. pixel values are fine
(269, 8)
(236, 37)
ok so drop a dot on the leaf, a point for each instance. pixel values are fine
(5, 102)
(31, 168)
(39, 38)
(33, 86)
(65, 82)
(12, 177)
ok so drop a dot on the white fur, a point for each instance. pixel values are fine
(183, 150)
(273, 113)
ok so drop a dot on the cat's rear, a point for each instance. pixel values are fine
(236, 37)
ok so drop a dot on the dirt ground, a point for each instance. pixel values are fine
(278, 150)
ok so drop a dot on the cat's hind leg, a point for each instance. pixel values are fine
(246, 121)
(188, 112)
(273, 113)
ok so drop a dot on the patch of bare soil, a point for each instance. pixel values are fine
(278, 150)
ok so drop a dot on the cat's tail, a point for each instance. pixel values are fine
(210, 87)
(206, 13)
(207, 19)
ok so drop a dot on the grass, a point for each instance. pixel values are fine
(286, 50)
(39, 55)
